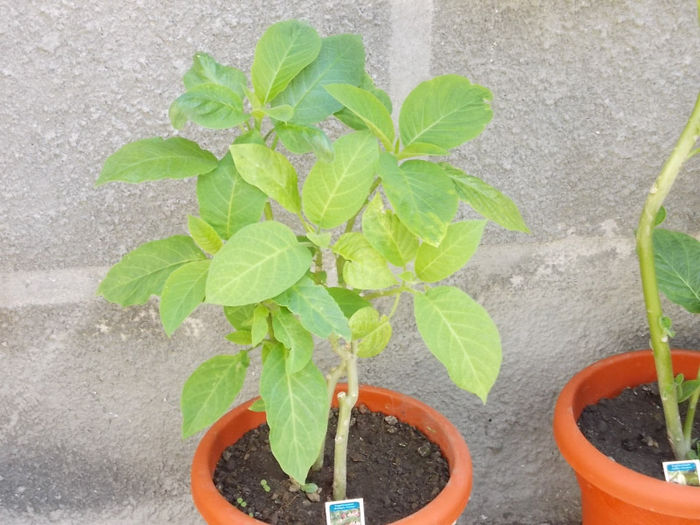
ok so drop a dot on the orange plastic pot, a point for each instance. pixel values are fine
(444, 509)
(611, 493)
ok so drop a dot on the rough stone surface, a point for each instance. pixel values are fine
(589, 97)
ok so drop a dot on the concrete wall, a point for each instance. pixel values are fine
(590, 96)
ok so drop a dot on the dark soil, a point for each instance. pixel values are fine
(630, 429)
(391, 465)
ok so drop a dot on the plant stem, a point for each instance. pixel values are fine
(331, 382)
(690, 415)
(645, 252)
(345, 404)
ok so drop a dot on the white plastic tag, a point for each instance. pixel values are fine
(683, 472)
(346, 512)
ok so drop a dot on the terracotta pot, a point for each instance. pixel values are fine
(611, 493)
(444, 509)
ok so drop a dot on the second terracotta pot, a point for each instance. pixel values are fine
(447, 506)
(611, 493)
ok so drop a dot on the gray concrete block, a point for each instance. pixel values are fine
(589, 98)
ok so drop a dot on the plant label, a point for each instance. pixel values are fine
(346, 512)
(682, 472)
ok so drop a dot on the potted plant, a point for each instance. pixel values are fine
(670, 262)
(374, 221)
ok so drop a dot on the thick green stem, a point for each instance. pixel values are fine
(690, 415)
(345, 404)
(652, 300)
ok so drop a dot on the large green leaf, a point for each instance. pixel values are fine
(281, 53)
(372, 330)
(143, 271)
(205, 70)
(155, 159)
(210, 105)
(260, 261)
(204, 234)
(461, 334)
(364, 268)
(485, 199)
(183, 291)
(210, 390)
(368, 108)
(445, 111)
(677, 262)
(297, 412)
(303, 139)
(340, 61)
(387, 234)
(317, 310)
(349, 118)
(422, 196)
(335, 191)
(290, 332)
(226, 201)
(269, 171)
(434, 263)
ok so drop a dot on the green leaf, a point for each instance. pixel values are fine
(365, 268)
(677, 261)
(317, 310)
(241, 337)
(155, 159)
(461, 335)
(226, 201)
(303, 139)
(205, 70)
(486, 200)
(435, 263)
(210, 390)
(445, 111)
(373, 331)
(183, 291)
(240, 317)
(349, 118)
(421, 149)
(204, 235)
(260, 261)
(348, 300)
(259, 327)
(387, 234)
(178, 119)
(257, 406)
(660, 216)
(340, 61)
(290, 332)
(421, 194)
(210, 105)
(368, 108)
(297, 412)
(281, 53)
(322, 240)
(335, 191)
(269, 171)
(688, 388)
(143, 271)
(283, 112)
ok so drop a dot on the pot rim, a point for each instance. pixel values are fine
(450, 502)
(616, 373)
